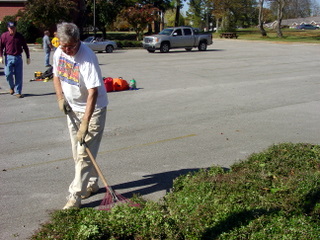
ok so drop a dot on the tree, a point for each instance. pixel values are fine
(139, 17)
(195, 12)
(261, 18)
(280, 5)
(178, 5)
(315, 8)
(200, 13)
(46, 14)
(290, 9)
(28, 30)
(297, 9)
(163, 6)
(102, 13)
(178, 8)
(235, 13)
(170, 18)
(225, 10)
(247, 14)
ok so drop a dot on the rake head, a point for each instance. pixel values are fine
(112, 199)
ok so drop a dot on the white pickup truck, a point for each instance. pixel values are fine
(177, 37)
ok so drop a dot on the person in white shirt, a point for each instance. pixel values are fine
(79, 86)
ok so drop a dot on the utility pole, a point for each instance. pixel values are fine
(94, 19)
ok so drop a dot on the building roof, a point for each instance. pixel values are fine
(296, 21)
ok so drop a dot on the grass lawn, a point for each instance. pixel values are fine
(289, 35)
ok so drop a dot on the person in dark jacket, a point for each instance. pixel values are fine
(12, 45)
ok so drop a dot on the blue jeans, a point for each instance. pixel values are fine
(47, 58)
(14, 71)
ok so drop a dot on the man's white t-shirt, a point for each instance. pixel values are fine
(77, 74)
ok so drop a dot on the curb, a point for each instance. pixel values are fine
(35, 47)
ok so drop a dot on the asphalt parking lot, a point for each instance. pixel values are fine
(192, 110)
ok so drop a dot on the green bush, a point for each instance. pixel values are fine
(129, 44)
(39, 40)
(271, 195)
(121, 36)
(28, 30)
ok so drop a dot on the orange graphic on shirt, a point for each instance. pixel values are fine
(68, 71)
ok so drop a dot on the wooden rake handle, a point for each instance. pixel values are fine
(103, 179)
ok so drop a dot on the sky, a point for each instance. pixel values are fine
(186, 5)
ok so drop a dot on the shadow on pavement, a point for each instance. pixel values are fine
(38, 95)
(188, 52)
(149, 184)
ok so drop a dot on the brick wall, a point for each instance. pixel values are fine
(9, 9)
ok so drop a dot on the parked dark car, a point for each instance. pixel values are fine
(307, 27)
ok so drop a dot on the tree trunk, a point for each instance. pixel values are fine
(263, 31)
(137, 35)
(149, 28)
(176, 20)
(217, 24)
(281, 4)
(81, 16)
(156, 26)
(161, 21)
(104, 32)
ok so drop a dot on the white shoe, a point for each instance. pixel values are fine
(73, 202)
(91, 190)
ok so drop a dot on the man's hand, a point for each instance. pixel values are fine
(83, 131)
(64, 106)
(28, 61)
(1, 60)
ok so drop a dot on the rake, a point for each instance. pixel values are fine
(111, 198)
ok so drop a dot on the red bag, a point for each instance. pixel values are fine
(120, 84)
(108, 83)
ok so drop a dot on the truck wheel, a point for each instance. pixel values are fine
(109, 49)
(151, 50)
(165, 47)
(202, 46)
(188, 49)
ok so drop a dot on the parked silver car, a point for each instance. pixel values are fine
(177, 37)
(100, 45)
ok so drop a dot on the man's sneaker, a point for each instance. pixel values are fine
(19, 96)
(11, 91)
(73, 202)
(90, 191)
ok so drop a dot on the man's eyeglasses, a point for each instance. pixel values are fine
(70, 46)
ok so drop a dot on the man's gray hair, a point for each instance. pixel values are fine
(68, 32)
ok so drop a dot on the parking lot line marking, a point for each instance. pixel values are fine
(34, 120)
(30, 120)
(36, 164)
(101, 153)
(147, 144)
